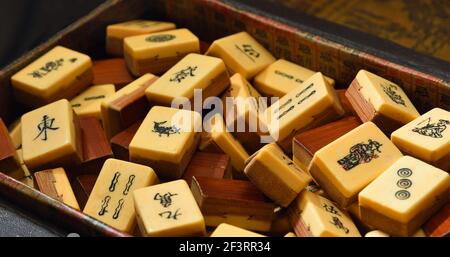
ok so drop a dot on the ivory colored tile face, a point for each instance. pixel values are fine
(127, 106)
(111, 200)
(218, 136)
(376, 233)
(226, 230)
(60, 73)
(166, 141)
(276, 175)
(194, 71)
(242, 54)
(307, 143)
(290, 234)
(439, 224)
(427, 138)
(168, 209)
(115, 33)
(87, 104)
(401, 199)
(283, 76)
(315, 216)
(380, 101)
(15, 132)
(50, 137)
(241, 107)
(309, 105)
(55, 184)
(157, 52)
(347, 165)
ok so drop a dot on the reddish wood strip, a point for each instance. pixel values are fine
(345, 102)
(439, 224)
(45, 181)
(96, 148)
(211, 165)
(82, 187)
(307, 143)
(121, 142)
(111, 71)
(226, 196)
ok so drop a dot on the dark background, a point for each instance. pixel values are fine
(25, 24)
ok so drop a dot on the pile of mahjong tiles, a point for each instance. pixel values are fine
(173, 136)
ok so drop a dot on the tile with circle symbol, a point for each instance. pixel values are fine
(401, 199)
(158, 52)
(346, 166)
(116, 33)
(276, 175)
(192, 72)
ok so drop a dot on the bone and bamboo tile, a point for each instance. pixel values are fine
(55, 184)
(380, 101)
(51, 137)
(166, 141)
(312, 104)
(276, 175)
(427, 138)
(158, 52)
(111, 199)
(168, 209)
(60, 73)
(314, 216)
(281, 77)
(346, 166)
(116, 33)
(241, 54)
(404, 196)
(88, 102)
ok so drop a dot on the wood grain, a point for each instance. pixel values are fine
(439, 224)
(348, 108)
(82, 187)
(211, 165)
(120, 143)
(96, 148)
(307, 143)
(226, 196)
(111, 71)
(45, 181)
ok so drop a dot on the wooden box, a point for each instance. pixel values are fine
(337, 52)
